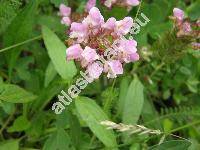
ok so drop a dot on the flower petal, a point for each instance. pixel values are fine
(74, 52)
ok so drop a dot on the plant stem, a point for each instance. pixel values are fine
(185, 126)
(7, 122)
(22, 43)
(157, 69)
(109, 101)
(138, 10)
(92, 140)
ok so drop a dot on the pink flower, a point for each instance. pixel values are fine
(98, 38)
(95, 70)
(196, 45)
(90, 4)
(186, 27)
(74, 52)
(79, 31)
(94, 19)
(129, 46)
(64, 10)
(122, 3)
(114, 68)
(109, 3)
(124, 26)
(134, 57)
(89, 55)
(178, 13)
(133, 2)
(110, 24)
(198, 22)
(128, 49)
(66, 21)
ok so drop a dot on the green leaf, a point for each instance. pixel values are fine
(37, 126)
(18, 31)
(193, 10)
(116, 12)
(10, 145)
(22, 67)
(59, 140)
(122, 93)
(133, 102)
(47, 94)
(58, 2)
(14, 94)
(8, 10)
(49, 74)
(52, 22)
(1, 80)
(7, 107)
(92, 114)
(20, 124)
(172, 145)
(75, 131)
(57, 53)
(167, 125)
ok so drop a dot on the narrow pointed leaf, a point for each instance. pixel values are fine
(57, 52)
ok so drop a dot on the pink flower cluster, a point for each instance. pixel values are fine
(110, 3)
(125, 3)
(65, 13)
(185, 27)
(93, 40)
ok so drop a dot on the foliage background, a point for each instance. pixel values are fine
(158, 93)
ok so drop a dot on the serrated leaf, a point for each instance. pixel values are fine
(92, 114)
(57, 53)
(15, 94)
(133, 102)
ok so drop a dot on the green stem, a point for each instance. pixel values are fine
(157, 69)
(138, 10)
(109, 101)
(185, 126)
(22, 43)
(7, 122)
(92, 140)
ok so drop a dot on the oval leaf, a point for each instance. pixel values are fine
(133, 102)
